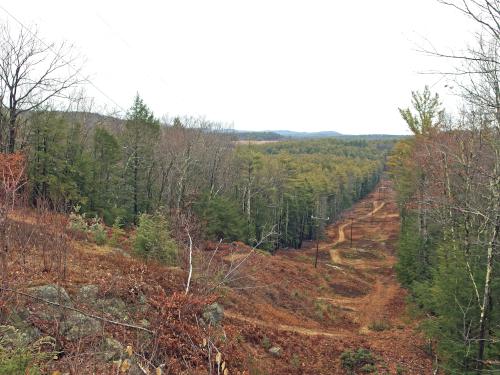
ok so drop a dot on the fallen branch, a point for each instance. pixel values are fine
(335, 267)
(77, 310)
(190, 261)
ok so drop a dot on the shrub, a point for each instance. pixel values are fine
(368, 368)
(362, 360)
(153, 239)
(323, 310)
(117, 232)
(379, 325)
(266, 343)
(77, 221)
(17, 357)
(98, 232)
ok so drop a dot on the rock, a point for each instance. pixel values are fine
(18, 319)
(115, 307)
(78, 325)
(275, 351)
(112, 349)
(213, 314)
(12, 337)
(88, 293)
(51, 293)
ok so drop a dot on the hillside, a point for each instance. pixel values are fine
(284, 135)
(281, 315)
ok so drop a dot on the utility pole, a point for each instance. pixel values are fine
(382, 189)
(351, 230)
(317, 237)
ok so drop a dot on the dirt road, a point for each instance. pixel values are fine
(353, 290)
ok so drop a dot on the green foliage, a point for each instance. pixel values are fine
(324, 310)
(139, 139)
(221, 218)
(261, 194)
(266, 343)
(379, 325)
(58, 165)
(98, 232)
(18, 357)
(428, 111)
(104, 179)
(442, 257)
(78, 222)
(361, 359)
(288, 182)
(117, 232)
(153, 239)
(412, 265)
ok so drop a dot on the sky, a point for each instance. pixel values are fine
(308, 65)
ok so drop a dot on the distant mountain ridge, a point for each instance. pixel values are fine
(295, 134)
(282, 135)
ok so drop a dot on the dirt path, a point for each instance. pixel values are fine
(364, 309)
(351, 300)
(374, 307)
(283, 327)
(341, 236)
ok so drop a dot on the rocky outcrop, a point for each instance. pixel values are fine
(52, 293)
(77, 325)
(73, 324)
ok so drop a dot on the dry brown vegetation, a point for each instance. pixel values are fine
(350, 301)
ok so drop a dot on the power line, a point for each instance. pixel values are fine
(48, 46)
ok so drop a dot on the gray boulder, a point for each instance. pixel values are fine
(275, 351)
(19, 320)
(115, 307)
(77, 325)
(88, 293)
(52, 293)
(112, 350)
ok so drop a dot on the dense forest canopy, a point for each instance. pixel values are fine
(267, 193)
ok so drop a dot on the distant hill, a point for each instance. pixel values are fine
(258, 136)
(294, 134)
(284, 135)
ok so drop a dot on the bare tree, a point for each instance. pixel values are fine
(32, 73)
(485, 12)
(12, 168)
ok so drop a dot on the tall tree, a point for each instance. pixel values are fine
(32, 73)
(140, 136)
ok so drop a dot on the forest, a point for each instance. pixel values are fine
(135, 243)
(116, 170)
(448, 181)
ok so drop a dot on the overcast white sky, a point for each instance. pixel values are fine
(304, 65)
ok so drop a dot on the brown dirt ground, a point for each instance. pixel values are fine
(313, 314)
(351, 300)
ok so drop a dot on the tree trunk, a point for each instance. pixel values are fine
(12, 133)
(483, 321)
